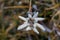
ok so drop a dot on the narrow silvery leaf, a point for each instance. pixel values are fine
(35, 30)
(48, 30)
(40, 26)
(35, 15)
(28, 28)
(22, 18)
(22, 26)
(58, 33)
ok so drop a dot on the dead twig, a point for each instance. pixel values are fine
(10, 27)
(53, 7)
(13, 7)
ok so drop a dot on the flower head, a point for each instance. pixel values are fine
(31, 22)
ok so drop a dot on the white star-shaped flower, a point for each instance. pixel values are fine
(31, 22)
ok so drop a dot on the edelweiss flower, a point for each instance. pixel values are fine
(31, 22)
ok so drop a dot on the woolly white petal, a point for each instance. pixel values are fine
(28, 28)
(35, 30)
(40, 26)
(34, 25)
(29, 15)
(27, 19)
(22, 18)
(22, 26)
(35, 15)
(39, 19)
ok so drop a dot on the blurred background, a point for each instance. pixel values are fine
(9, 21)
